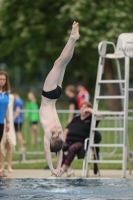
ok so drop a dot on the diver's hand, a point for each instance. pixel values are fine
(56, 172)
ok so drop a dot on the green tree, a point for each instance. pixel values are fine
(34, 32)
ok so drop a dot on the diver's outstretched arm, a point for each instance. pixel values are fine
(56, 171)
(59, 159)
(48, 152)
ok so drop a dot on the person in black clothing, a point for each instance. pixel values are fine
(75, 134)
(70, 91)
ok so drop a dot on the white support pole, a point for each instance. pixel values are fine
(126, 94)
(120, 78)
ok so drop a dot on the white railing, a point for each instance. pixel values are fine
(38, 148)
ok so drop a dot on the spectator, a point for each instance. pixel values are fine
(18, 120)
(8, 139)
(70, 91)
(33, 117)
(4, 110)
(75, 134)
(83, 94)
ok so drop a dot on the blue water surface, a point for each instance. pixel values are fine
(66, 189)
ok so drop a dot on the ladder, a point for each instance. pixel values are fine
(123, 50)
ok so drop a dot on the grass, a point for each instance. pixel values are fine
(76, 164)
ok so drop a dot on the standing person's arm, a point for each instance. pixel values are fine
(66, 130)
(27, 107)
(65, 134)
(7, 119)
(91, 110)
(17, 112)
(85, 96)
(71, 108)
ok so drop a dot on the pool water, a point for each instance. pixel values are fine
(66, 189)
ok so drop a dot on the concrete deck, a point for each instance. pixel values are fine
(78, 174)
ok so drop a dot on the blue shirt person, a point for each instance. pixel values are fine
(4, 100)
(18, 106)
(18, 120)
(4, 110)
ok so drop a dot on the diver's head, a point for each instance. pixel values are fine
(56, 142)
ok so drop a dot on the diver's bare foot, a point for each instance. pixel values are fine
(75, 30)
(10, 170)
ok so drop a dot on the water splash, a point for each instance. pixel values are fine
(65, 189)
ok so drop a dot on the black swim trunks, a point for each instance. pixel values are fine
(53, 94)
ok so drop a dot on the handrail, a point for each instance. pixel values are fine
(100, 46)
(59, 111)
(124, 49)
(85, 143)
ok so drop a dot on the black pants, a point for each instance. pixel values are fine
(72, 149)
(96, 156)
(1, 131)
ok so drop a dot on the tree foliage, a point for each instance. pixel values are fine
(34, 32)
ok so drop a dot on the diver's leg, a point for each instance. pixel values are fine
(55, 76)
